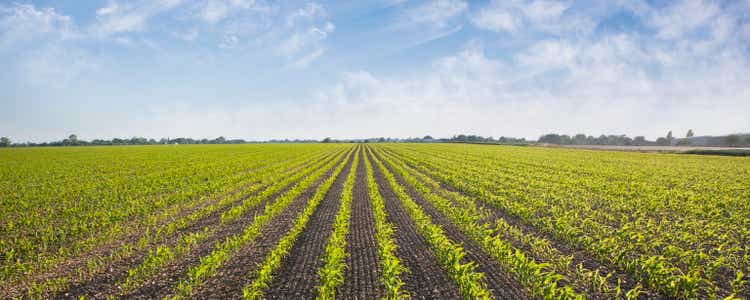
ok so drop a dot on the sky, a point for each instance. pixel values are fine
(349, 69)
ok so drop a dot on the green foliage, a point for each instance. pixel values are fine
(470, 282)
(669, 222)
(264, 274)
(332, 273)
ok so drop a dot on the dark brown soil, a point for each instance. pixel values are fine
(297, 277)
(362, 275)
(426, 279)
(163, 283)
(115, 267)
(501, 284)
(104, 284)
(580, 255)
(237, 271)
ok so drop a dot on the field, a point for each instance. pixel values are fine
(365, 221)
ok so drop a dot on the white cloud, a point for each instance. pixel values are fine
(436, 13)
(308, 29)
(304, 61)
(19, 22)
(214, 11)
(309, 12)
(514, 15)
(682, 17)
(496, 20)
(119, 17)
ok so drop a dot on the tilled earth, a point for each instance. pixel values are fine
(297, 277)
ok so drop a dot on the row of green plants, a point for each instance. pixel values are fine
(539, 278)
(161, 225)
(606, 204)
(273, 181)
(271, 263)
(390, 265)
(210, 264)
(538, 247)
(43, 192)
(470, 282)
(478, 222)
(331, 274)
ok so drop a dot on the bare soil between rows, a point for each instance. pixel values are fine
(239, 270)
(580, 255)
(105, 284)
(499, 282)
(362, 275)
(426, 278)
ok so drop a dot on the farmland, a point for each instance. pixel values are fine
(370, 221)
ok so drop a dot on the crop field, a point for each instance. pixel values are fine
(371, 221)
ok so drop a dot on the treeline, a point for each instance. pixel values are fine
(461, 138)
(73, 140)
(582, 139)
(732, 140)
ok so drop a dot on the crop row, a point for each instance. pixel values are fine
(644, 236)
(389, 263)
(450, 254)
(541, 249)
(265, 273)
(332, 273)
(210, 264)
(154, 227)
(274, 181)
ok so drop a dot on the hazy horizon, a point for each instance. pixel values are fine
(261, 70)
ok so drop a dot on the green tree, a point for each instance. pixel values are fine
(732, 140)
(4, 142)
(690, 133)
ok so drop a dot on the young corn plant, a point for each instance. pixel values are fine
(332, 273)
(264, 275)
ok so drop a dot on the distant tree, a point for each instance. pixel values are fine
(601, 140)
(4, 142)
(551, 138)
(327, 140)
(689, 133)
(427, 137)
(579, 139)
(639, 141)
(662, 141)
(732, 140)
(381, 140)
(670, 138)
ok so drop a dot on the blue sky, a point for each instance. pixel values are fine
(264, 69)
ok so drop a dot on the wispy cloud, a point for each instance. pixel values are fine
(118, 17)
(22, 22)
(437, 13)
(516, 15)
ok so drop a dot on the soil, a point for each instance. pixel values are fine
(113, 269)
(426, 279)
(580, 256)
(499, 282)
(162, 283)
(362, 275)
(297, 276)
(238, 270)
